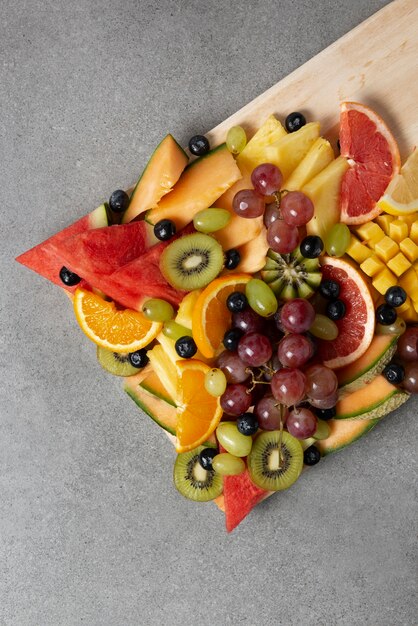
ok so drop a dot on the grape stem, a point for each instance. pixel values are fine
(281, 437)
(254, 380)
(278, 197)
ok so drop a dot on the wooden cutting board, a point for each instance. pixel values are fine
(376, 63)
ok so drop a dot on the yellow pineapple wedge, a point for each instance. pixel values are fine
(289, 151)
(319, 155)
(324, 191)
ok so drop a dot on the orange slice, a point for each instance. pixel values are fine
(211, 318)
(118, 330)
(198, 413)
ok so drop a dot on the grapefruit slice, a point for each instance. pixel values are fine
(374, 160)
(356, 328)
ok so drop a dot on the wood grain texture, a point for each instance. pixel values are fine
(376, 64)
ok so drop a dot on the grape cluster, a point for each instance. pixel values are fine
(404, 369)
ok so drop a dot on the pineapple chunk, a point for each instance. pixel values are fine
(165, 370)
(398, 230)
(253, 153)
(319, 155)
(289, 151)
(386, 248)
(357, 250)
(372, 266)
(399, 264)
(384, 280)
(409, 249)
(384, 221)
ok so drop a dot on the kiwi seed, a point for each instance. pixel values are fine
(194, 482)
(266, 469)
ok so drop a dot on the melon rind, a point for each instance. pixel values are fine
(365, 375)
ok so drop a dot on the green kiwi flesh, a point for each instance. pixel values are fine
(266, 469)
(291, 275)
(194, 482)
(115, 363)
(192, 262)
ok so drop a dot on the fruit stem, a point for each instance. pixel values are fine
(280, 437)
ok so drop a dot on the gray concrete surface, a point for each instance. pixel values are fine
(91, 530)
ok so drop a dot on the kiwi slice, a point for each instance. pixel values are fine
(115, 363)
(266, 469)
(291, 275)
(192, 261)
(194, 482)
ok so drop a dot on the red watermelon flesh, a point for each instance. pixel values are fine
(45, 258)
(240, 497)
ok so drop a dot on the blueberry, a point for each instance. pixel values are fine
(236, 302)
(395, 296)
(69, 278)
(118, 201)
(311, 456)
(139, 358)
(231, 339)
(164, 230)
(311, 247)
(335, 310)
(232, 258)
(199, 145)
(185, 347)
(206, 457)
(247, 424)
(394, 373)
(294, 121)
(329, 289)
(385, 315)
(325, 414)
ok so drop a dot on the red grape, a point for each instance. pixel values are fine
(321, 382)
(281, 237)
(297, 315)
(235, 399)
(247, 203)
(301, 423)
(266, 179)
(296, 208)
(271, 214)
(267, 411)
(325, 403)
(248, 321)
(232, 366)
(294, 350)
(410, 382)
(254, 349)
(408, 344)
(288, 386)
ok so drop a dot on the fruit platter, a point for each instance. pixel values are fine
(258, 297)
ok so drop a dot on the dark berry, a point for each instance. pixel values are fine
(231, 339)
(395, 296)
(325, 414)
(118, 201)
(311, 456)
(206, 457)
(199, 145)
(311, 247)
(164, 230)
(69, 278)
(338, 145)
(335, 310)
(236, 301)
(185, 347)
(139, 358)
(247, 424)
(385, 315)
(329, 289)
(294, 121)
(394, 373)
(232, 258)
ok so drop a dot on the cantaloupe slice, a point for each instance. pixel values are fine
(200, 185)
(163, 413)
(152, 384)
(344, 432)
(253, 254)
(159, 176)
(373, 401)
(372, 363)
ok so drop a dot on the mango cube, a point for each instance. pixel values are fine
(369, 231)
(404, 307)
(409, 249)
(384, 221)
(399, 264)
(358, 251)
(386, 248)
(384, 280)
(398, 230)
(372, 265)
(408, 219)
(409, 282)
(413, 233)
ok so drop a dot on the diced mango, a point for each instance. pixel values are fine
(399, 264)
(413, 233)
(370, 230)
(415, 305)
(357, 250)
(372, 266)
(384, 221)
(386, 248)
(409, 282)
(384, 280)
(408, 219)
(400, 310)
(409, 249)
(411, 315)
(398, 230)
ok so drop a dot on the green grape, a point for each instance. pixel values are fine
(338, 240)
(324, 328)
(260, 297)
(215, 382)
(210, 220)
(323, 430)
(307, 443)
(158, 310)
(397, 328)
(174, 331)
(236, 139)
(227, 464)
(232, 440)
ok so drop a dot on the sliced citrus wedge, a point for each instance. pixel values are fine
(198, 413)
(211, 318)
(401, 196)
(122, 330)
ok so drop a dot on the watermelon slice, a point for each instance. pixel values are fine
(45, 258)
(240, 496)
